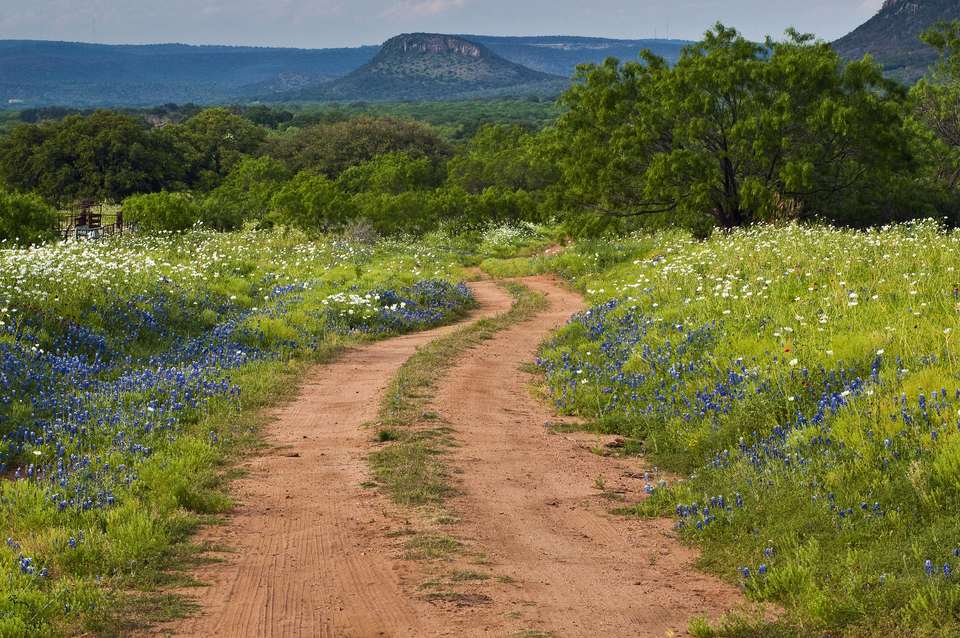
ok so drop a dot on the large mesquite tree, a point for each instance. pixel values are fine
(735, 130)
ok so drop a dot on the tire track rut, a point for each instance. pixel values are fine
(530, 499)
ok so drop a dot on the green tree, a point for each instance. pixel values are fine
(333, 148)
(267, 117)
(245, 195)
(161, 211)
(105, 156)
(937, 105)
(212, 143)
(501, 204)
(409, 211)
(312, 202)
(735, 130)
(25, 219)
(502, 156)
(391, 173)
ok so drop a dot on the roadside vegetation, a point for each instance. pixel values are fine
(133, 369)
(804, 382)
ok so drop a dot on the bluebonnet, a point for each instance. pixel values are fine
(102, 400)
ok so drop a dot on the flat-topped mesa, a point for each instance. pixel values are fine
(417, 66)
(431, 43)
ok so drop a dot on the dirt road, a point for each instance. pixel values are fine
(533, 499)
(314, 548)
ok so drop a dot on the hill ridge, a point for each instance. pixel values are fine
(892, 36)
(36, 73)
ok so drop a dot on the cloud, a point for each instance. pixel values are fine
(422, 7)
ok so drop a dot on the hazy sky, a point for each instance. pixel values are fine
(331, 23)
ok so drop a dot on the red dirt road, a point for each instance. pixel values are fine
(530, 497)
(313, 557)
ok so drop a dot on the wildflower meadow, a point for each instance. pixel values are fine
(130, 372)
(796, 391)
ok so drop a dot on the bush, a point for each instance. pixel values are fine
(312, 202)
(161, 211)
(245, 195)
(411, 211)
(391, 173)
(496, 204)
(26, 219)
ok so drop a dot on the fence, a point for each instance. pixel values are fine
(86, 222)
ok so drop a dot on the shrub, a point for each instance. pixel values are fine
(246, 194)
(161, 211)
(391, 173)
(25, 219)
(312, 202)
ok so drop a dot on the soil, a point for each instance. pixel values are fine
(317, 553)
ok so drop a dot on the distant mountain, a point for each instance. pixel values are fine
(893, 36)
(73, 74)
(41, 73)
(560, 55)
(430, 66)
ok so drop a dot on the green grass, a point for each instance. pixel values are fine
(410, 467)
(430, 546)
(464, 575)
(460, 599)
(804, 380)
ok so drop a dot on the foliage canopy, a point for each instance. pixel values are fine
(740, 131)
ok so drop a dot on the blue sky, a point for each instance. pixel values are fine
(329, 23)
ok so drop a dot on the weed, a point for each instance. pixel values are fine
(429, 546)
(468, 574)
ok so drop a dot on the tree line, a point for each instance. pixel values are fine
(736, 132)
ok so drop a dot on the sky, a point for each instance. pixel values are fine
(337, 23)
